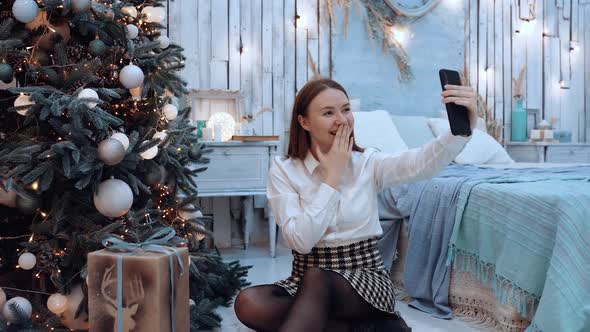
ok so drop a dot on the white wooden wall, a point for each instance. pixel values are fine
(543, 44)
(275, 61)
(273, 65)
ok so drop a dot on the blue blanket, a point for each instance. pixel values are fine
(432, 207)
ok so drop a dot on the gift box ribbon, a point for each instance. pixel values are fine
(156, 243)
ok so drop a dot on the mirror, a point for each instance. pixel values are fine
(409, 8)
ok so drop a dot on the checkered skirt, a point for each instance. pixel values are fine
(360, 263)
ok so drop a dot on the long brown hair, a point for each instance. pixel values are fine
(299, 139)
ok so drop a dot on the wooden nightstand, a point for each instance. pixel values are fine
(550, 152)
(237, 169)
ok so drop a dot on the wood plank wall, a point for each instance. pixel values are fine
(275, 57)
(504, 35)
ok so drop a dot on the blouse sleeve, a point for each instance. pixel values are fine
(302, 224)
(416, 164)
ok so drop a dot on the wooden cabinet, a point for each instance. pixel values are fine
(237, 169)
(550, 152)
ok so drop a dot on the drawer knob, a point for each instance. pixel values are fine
(226, 153)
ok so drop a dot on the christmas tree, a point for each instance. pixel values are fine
(91, 145)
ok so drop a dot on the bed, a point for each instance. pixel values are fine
(501, 243)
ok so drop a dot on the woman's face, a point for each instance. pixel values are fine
(326, 112)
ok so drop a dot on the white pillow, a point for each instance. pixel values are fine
(377, 130)
(481, 148)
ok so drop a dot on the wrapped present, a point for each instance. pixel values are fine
(542, 134)
(139, 286)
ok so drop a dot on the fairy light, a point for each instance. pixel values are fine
(35, 185)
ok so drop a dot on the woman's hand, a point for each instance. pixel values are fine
(335, 161)
(464, 96)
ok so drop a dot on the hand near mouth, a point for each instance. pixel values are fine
(335, 161)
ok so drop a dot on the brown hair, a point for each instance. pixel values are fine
(299, 139)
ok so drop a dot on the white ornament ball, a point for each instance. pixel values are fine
(170, 112)
(146, 12)
(187, 215)
(191, 302)
(130, 11)
(131, 76)
(27, 261)
(159, 14)
(57, 303)
(154, 14)
(88, 93)
(2, 298)
(161, 135)
(131, 31)
(81, 5)
(111, 151)
(75, 297)
(23, 100)
(149, 153)
(121, 138)
(113, 198)
(164, 41)
(24, 305)
(25, 10)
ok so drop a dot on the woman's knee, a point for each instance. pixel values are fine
(245, 303)
(260, 308)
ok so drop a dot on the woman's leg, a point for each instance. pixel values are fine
(263, 308)
(323, 295)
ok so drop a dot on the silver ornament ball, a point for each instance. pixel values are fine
(57, 303)
(131, 76)
(121, 137)
(89, 93)
(24, 305)
(113, 198)
(111, 151)
(25, 10)
(27, 261)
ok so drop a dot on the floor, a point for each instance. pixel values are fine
(266, 270)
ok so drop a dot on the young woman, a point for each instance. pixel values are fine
(324, 198)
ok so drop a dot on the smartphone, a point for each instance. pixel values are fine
(457, 114)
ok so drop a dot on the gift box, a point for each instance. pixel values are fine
(541, 134)
(150, 301)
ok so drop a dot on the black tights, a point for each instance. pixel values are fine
(325, 300)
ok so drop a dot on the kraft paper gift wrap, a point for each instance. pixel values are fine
(146, 288)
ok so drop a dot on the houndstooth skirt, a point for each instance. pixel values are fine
(360, 263)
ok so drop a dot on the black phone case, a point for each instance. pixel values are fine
(457, 114)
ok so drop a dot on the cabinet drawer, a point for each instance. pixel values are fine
(568, 154)
(235, 168)
(524, 154)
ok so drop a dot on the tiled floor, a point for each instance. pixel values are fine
(267, 270)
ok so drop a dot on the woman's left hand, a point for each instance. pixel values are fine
(464, 96)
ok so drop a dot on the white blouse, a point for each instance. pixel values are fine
(311, 214)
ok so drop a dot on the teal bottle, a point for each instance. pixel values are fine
(518, 133)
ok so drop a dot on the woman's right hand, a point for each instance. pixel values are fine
(336, 160)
